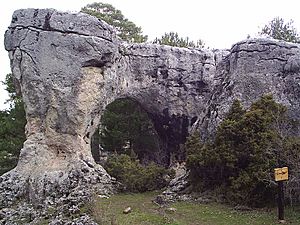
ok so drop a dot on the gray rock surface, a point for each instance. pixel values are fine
(69, 67)
(253, 68)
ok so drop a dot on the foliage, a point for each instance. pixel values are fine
(95, 145)
(126, 29)
(200, 161)
(292, 159)
(278, 29)
(12, 128)
(173, 39)
(126, 128)
(134, 176)
(246, 149)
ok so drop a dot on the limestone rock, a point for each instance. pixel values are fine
(254, 67)
(127, 210)
(171, 210)
(175, 190)
(69, 67)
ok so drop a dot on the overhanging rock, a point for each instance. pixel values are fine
(69, 67)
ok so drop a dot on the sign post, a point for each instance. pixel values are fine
(281, 174)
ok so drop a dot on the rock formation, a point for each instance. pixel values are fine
(69, 67)
(253, 68)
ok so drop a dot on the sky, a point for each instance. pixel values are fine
(219, 23)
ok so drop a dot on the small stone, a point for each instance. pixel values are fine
(127, 210)
(168, 192)
(103, 196)
(74, 209)
(171, 209)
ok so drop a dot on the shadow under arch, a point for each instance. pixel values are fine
(127, 127)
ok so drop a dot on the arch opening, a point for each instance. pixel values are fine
(126, 128)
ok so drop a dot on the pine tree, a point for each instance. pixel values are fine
(173, 39)
(12, 128)
(280, 30)
(126, 127)
(247, 147)
(126, 29)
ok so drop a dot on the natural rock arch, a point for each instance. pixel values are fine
(69, 67)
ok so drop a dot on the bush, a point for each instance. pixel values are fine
(134, 176)
(247, 147)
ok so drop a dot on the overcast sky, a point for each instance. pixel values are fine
(219, 23)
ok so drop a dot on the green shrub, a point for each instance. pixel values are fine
(247, 147)
(134, 176)
(12, 128)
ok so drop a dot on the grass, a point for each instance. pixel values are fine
(145, 212)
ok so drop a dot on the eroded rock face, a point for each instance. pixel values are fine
(69, 67)
(254, 68)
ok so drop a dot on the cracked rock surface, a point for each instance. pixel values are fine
(69, 67)
(254, 68)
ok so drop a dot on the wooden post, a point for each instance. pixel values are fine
(280, 201)
(281, 175)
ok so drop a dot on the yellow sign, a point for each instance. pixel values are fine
(281, 174)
